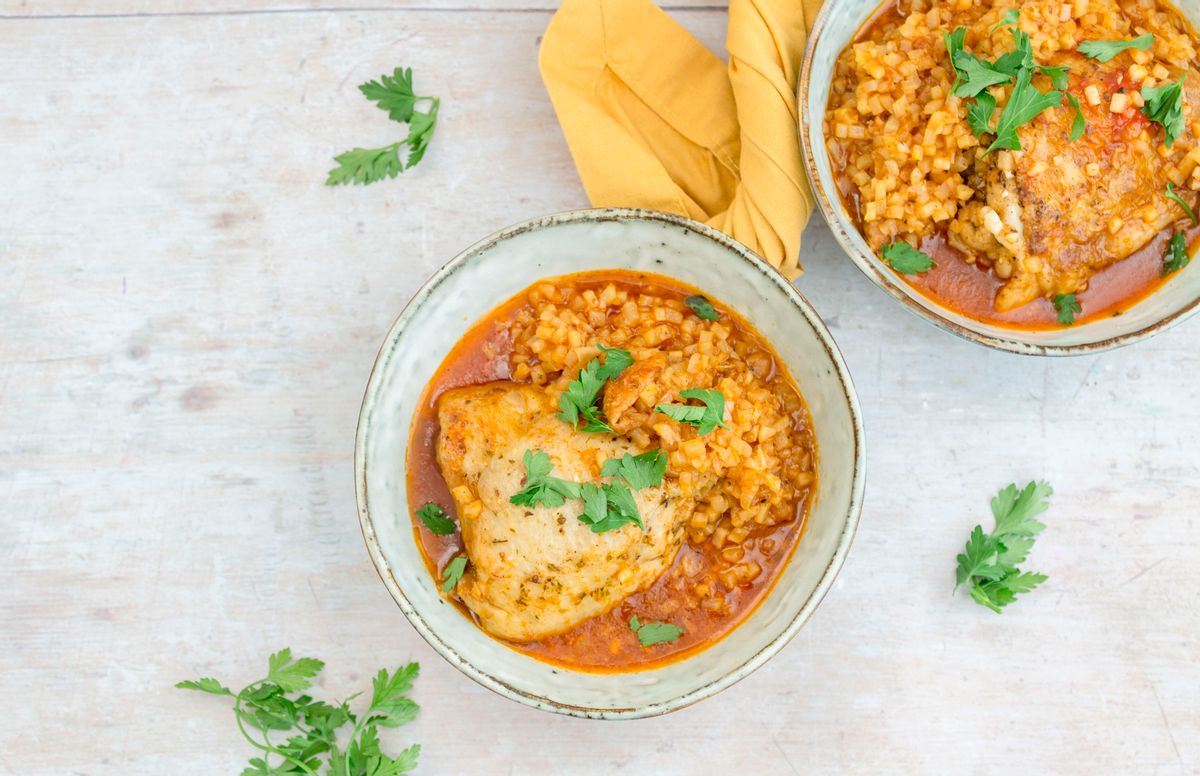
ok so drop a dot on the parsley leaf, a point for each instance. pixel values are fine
(609, 507)
(580, 397)
(273, 704)
(705, 418)
(1067, 306)
(540, 487)
(976, 74)
(1104, 50)
(651, 633)
(988, 563)
(639, 471)
(1164, 104)
(395, 95)
(979, 115)
(702, 308)
(906, 259)
(1024, 104)
(1020, 58)
(1011, 16)
(1078, 124)
(1183, 204)
(453, 572)
(1177, 254)
(436, 520)
(954, 45)
(1057, 75)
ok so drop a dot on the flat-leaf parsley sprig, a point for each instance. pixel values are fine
(275, 704)
(988, 564)
(395, 95)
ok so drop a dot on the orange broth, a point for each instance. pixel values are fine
(603, 644)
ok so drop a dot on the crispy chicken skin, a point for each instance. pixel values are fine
(536, 572)
(1052, 215)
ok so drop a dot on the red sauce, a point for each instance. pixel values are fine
(604, 643)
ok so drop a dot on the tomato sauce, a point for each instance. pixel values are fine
(604, 643)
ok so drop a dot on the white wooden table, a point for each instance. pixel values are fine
(187, 321)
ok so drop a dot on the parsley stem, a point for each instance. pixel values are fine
(264, 747)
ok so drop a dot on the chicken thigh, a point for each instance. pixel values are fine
(538, 571)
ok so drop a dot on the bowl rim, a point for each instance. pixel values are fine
(803, 614)
(900, 291)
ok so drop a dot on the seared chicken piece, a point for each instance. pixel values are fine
(537, 571)
(1058, 211)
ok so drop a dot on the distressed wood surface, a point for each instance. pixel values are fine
(187, 321)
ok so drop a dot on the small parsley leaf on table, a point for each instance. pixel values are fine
(1173, 195)
(705, 418)
(1067, 307)
(366, 165)
(394, 94)
(453, 572)
(1104, 50)
(702, 308)
(579, 399)
(906, 259)
(1177, 254)
(988, 563)
(274, 704)
(436, 520)
(651, 633)
(540, 487)
(1164, 105)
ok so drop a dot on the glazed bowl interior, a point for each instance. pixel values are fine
(507, 263)
(835, 26)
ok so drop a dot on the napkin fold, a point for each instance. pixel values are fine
(653, 119)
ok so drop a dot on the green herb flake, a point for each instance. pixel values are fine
(1057, 75)
(702, 308)
(954, 45)
(273, 704)
(651, 633)
(540, 487)
(1011, 17)
(1104, 50)
(1171, 194)
(988, 563)
(906, 259)
(979, 116)
(1177, 254)
(705, 418)
(1025, 103)
(436, 520)
(1164, 105)
(1078, 124)
(579, 399)
(1068, 307)
(645, 470)
(453, 572)
(609, 507)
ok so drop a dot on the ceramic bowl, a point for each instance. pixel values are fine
(835, 26)
(504, 264)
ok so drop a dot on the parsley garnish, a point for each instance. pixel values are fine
(979, 114)
(954, 45)
(609, 506)
(976, 74)
(988, 565)
(1177, 254)
(639, 471)
(906, 259)
(1057, 75)
(705, 418)
(1010, 17)
(1020, 58)
(1067, 306)
(1104, 50)
(702, 308)
(1164, 104)
(1024, 104)
(1078, 124)
(651, 633)
(540, 487)
(435, 519)
(265, 706)
(453, 572)
(1186, 207)
(579, 399)
(395, 95)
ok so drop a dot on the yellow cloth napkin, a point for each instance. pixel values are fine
(655, 120)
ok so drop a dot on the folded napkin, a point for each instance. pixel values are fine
(655, 120)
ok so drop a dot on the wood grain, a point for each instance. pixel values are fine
(187, 321)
